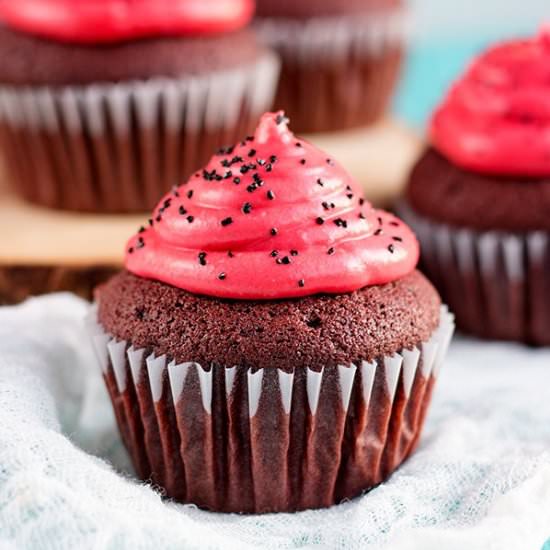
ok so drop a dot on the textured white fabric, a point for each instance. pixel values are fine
(480, 479)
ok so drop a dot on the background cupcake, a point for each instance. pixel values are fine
(105, 105)
(341, 59)
(479, 198)
(270, 346)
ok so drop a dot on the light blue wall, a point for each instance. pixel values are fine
(445, 34)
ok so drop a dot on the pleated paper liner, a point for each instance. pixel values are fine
(495, 282)
(234, 439)
(338, 71)
(119, 147)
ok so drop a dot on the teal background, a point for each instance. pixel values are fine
(437, 56)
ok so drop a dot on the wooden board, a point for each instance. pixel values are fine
(43, 250)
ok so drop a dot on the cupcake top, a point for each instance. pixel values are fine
(496, 118)
(271, 217)
(313, 8)
(107, 21)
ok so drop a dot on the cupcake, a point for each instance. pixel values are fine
(479, 197)
(341, 58)
(270, 346)
(105, 105)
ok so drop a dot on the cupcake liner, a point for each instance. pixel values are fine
(119, 147)
(338, 71)
(495, 282)
(238, 439)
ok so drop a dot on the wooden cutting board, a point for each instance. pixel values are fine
(44, 250)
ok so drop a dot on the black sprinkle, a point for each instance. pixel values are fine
(326, 205)
(189, 193)
(244, 169)
(285, 260)
(330, 251)
(379, 220)
(298, 144)
(268, 167)
(270, 195)
(252, 187)
(378, 232)
(302, 161)
(190, 219)
(227, 221)
(150, 222)
(158, 218)
(274, 253)
(249, 138)
(182, 211)
(247, 208)
(349, 196)
(361, 201)
(330, 162)
(398, 239)
(141, 229)
(362, 216)
(391, 248)
(236, 181)
(202, 258)
(236, 159)
(279, 119)
(273, 231)
(261, 162)
(320, 182)
(131, 250)
(230, 254)
(301, 283)
(273, 159)
(341, 223)
(175, 191)
(251, 153)
(227, 175)
(319, 221)
(294, 253)
(140, 243)
(257, 180)
(222, 276)
(394, 224)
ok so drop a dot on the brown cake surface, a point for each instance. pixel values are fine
(310, 332)
(312, 8)
(443, 192)
(30, 60)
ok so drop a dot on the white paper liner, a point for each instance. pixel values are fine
(262, 440)
(494, 281)
(212, 100)
(102, 146)
(117, 354)
(334, 37)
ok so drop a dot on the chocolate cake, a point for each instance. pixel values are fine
(104, 115)
(480, 195)
(270, 346)
(341, 60)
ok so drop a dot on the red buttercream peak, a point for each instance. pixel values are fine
(271, 217)
(102, 21)
(496, 117)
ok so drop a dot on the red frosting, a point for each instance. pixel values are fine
(98, 21)
(272, 217)
(496, 119)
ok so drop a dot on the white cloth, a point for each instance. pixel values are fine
(480, 479)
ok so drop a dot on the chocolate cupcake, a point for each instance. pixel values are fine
(341, 58)
(105, 105)
(270, 346)
(479, 197)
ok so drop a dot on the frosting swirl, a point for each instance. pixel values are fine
(496, 118)
(101, 21)
(272, 217)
